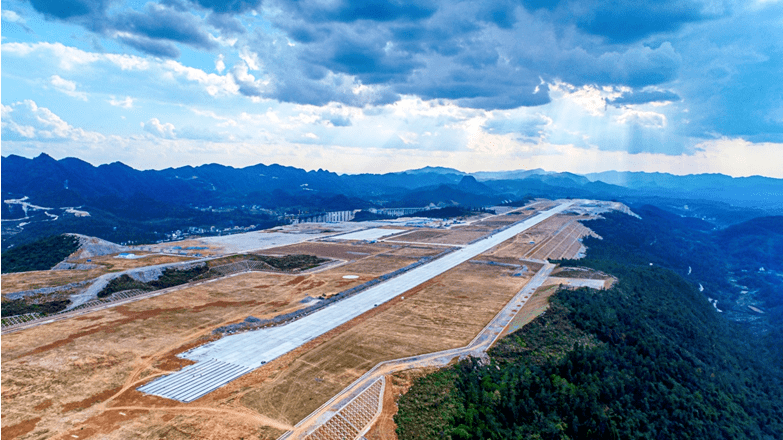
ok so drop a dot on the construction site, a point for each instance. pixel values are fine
(251, 348)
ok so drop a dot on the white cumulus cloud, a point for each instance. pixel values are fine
(68, 87)
(25, 120)
(159, 129)
(124, 103)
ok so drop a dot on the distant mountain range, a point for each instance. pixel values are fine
(116, 192)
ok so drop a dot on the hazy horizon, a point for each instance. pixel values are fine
(391, 171)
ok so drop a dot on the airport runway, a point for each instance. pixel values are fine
(230, 357)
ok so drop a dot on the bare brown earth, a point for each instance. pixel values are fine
(15, 282)
(556, 238)
(536, 305)
(397, 384)
(113, 264)
(456, 235)
(76, 378)
(69, 373)
(446, 312)
(339, 251)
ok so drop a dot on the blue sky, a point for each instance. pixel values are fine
(681, 86)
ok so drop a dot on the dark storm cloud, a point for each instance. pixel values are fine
(351, 11)
(157, 22)
(489, 54)
(637, 66)
(69, 9)
(371, 60)
(623, 21)
(153, 47)
(228, 6)
(151, 31)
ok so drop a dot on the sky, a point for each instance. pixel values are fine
(374, 86)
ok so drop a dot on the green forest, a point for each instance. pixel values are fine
(40, 255)
(649, 358)
(169, 278)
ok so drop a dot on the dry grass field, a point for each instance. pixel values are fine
(77, 378)
(446, 312)
(456, 235)
(536, 305)
(67, 375)
(340, 251)
(397, 384)
(556, 238)
(14, 282)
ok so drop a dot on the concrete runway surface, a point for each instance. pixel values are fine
(230, 357)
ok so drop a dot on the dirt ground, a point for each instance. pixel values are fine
(446, 312)
(556, 238)
(77, 378)
(113, 264)
(397, 384)
(339, 251)
(457, 235)
(80, 374)
(14, 282)
(536, 305)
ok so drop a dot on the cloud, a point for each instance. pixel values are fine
(641, 76)
(220, 64)
(731, 83)
(488, 55)
(12, 16)
(125, 103)
(228, 6)
(623, 21)
(68, 9)
(496, 62)
(152, 47)
(25, 120)
(160, 23)
(338, 121)
(348, 11)
(642, 118)
(158, 129)
(67, 87)
(227, 24)
(152, 30)
(529, 126)
(626, 21)
(127, 69)
(247, 83)
(644, 97)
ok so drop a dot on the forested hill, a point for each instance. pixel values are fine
(739, 266)
(649, 358)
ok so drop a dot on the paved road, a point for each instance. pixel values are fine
(226, 359)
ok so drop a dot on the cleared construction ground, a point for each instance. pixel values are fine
(77, 378)
(13, 282)
(234, 356)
